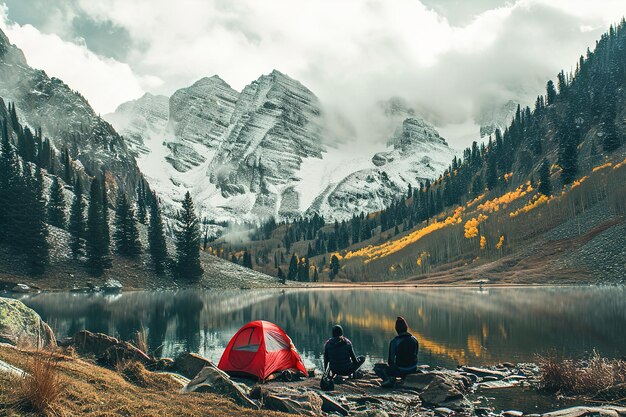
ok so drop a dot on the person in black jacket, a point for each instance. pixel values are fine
(339, 355)
(402, 359)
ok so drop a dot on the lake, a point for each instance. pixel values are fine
(453, 325)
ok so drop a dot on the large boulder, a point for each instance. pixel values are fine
(23, 325)
(210, 379)
(109, 350)
(303, 404)
(190, 364)
(124, 352)
(420, 381)
(446, 392)
(86, 342)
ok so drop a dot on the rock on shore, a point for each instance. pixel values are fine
(22, 326)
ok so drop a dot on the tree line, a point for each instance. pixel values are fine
(36, 190)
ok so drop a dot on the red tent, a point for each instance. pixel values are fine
(260, 348)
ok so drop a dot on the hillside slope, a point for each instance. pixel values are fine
(542, 201)
(66, 118)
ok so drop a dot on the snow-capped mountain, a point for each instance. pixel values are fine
(263, 152)
(66, 118)
(276, 123)
(417, 153)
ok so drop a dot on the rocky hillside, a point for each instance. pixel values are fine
(264, 152)
(65, 117)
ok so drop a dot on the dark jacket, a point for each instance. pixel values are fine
(403, 352)
(338, 351)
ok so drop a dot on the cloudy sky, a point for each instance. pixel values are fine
(450, 59)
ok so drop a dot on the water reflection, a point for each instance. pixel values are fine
(454, 326)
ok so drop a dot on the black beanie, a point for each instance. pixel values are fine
(337, 330)
(401, 325)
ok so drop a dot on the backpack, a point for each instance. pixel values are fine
(327, 383)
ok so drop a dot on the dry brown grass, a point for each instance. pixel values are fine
(40, 389)
(90, 390)
(141, 339)
(590, 377)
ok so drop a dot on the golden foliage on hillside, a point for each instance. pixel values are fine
(579, 181)
(372, 252)
(503, 201)
(536, 201)
(604, 166)
(471, 226)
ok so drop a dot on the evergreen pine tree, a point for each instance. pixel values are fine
(477, 186)
(33, 227)
(545, 186)
(106, 227)
(68, 175)
(281, 276)
(9, 184)
(56, 205)
(334, 266)
(141, 204)
(568, 154)
(126, 235)
(292, 274)
(233, 259)
(610, 138)
(156, 236)
(316, 276)
(307, 269)
(492, 173)
(247, 260)
(188, 242)
(550, 93)
(76, 225)
(96, 245)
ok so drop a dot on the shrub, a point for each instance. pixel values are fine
(592, 376)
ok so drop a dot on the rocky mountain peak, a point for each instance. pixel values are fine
(415, 131)
(261, 153)
(213, 80)
(198, 118)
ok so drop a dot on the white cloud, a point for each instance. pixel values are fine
(351, 53)
(103, 81)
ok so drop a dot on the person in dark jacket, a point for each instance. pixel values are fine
(339, 355)
(402, 359)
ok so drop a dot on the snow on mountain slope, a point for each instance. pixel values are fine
(417, 153)
(141, 120)
(277, 122)
(261, 152)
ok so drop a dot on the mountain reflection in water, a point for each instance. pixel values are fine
(454, 325)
